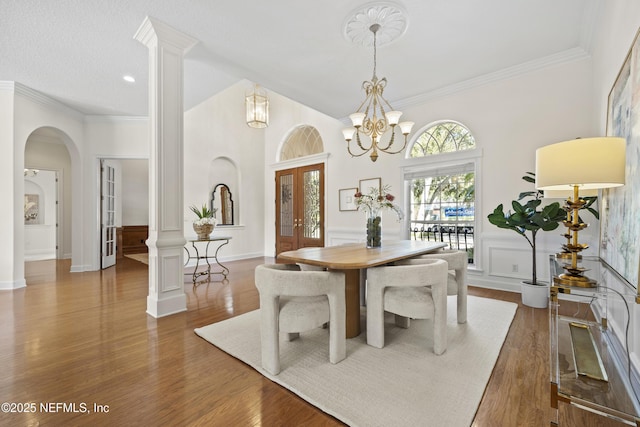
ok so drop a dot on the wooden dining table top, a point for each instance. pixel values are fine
(352, 256)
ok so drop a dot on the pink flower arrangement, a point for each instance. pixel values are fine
(378, 199)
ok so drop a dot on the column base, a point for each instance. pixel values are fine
(166, 306)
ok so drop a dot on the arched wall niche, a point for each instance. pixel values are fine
(224, 170)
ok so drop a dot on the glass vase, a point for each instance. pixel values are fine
(374, 229)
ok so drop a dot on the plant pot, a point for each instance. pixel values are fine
(203, 231)
(536, 296)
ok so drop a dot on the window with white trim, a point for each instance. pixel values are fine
(442, 197)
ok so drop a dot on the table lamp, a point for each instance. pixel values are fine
(579, 164)
(568, 195)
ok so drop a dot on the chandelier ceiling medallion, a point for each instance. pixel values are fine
(375, 117)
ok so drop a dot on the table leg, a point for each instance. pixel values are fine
(352, 300)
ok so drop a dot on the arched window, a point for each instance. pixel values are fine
(302, 141)
(442, 198)
(443, 137)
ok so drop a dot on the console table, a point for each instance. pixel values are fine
(589, 359)
(206, 256)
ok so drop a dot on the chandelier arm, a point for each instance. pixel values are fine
(360, 142)
(386, 149)
(355, 155)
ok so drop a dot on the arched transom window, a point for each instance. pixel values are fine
(302, 141)
(443, 137)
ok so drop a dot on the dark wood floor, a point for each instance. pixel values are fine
(71, 341)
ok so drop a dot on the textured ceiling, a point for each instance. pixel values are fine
(78, 51)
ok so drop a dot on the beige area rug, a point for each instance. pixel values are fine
(143, 258)
(402, 384)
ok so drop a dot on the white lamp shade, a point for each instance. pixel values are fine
(393, 117)
(348, 133)
(357, 119)
(590, 163)
(406, 127)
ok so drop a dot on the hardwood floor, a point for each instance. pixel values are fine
(70, 341)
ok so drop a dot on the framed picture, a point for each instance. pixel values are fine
(619, 221)
(31, 208)
(347, 201)
(366, 185)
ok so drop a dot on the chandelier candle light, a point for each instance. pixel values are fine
(371, 119)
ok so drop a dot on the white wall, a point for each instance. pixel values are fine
(28, 111)
(213, 130)
(135, 192)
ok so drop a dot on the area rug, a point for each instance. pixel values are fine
(402, 384)
(143, 258)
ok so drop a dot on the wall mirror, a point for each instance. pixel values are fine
(222, 200)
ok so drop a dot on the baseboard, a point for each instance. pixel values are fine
(15, 284)
(499, 285)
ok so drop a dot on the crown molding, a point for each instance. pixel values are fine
(111, 119)
(570, 55)
(38, 97)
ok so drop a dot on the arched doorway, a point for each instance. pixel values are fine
(48, 195)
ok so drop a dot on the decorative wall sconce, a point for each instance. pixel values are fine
(257, 108)
(579, 164)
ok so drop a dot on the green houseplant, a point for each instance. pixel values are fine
(527, 220)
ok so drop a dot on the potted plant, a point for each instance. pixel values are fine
(203, 226)
(527, 220)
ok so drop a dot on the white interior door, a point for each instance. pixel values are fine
(108, 214)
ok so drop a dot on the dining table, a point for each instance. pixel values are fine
(353, 259)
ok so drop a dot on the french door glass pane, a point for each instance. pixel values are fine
(286, 205)
(311, 183)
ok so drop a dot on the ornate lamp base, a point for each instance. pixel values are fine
(567, 279)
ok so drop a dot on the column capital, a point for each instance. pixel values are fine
(152, 31)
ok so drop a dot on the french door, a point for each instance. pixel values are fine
(107, 215)
(300, 208)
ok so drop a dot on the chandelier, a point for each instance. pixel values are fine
(257, 108)
(372, 121)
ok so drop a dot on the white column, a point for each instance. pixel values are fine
(166, 213)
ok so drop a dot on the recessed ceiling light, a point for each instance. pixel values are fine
(129, 79)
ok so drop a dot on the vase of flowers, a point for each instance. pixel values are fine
(372, 203)
(205, 223)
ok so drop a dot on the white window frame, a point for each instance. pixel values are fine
(440, 164)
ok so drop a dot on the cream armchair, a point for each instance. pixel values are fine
(294, 301)
(410, 292)
(457, 279)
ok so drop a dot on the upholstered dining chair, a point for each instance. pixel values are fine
(294, 301)
(410, 292)
(457, 278)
